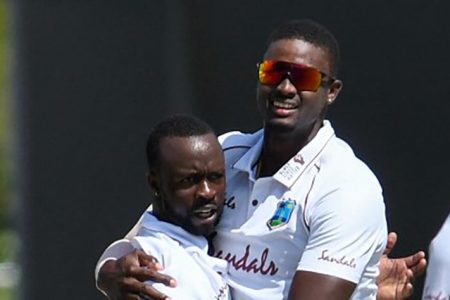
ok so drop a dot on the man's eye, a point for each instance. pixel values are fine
(193, 179)
(189, 179)
(215, 176)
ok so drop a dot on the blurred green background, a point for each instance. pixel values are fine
(6, 233)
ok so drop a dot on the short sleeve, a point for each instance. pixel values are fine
(149, 244)
(119, 248)
(347, 234)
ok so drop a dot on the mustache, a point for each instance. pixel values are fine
(202, 201)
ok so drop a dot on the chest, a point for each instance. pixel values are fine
(263, 230)
(266, 206)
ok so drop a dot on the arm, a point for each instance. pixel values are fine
(330, 287)
(124, 278)
(121, 271)
(347, 236)
(395, 281)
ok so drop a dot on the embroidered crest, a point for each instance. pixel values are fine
(282, 214)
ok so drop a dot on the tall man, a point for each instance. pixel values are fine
(304, 217)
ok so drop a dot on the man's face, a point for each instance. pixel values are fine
(283, 107)
(190, 180)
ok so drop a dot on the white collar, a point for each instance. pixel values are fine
(185, 238)
(289, 173)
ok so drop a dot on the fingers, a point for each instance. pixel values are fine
(392, 240)
(136, 268)
(406, 292)
(144, 274)
(405, 287)
(416, 259)
(132, 297)
(146, 260)
(419, 268)
(139, 290)
(148, 292)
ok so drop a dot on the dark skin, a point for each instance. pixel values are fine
(124, 279)
(189, 181)
(286, 131)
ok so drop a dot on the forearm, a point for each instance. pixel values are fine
(114, 251)
(315, 286)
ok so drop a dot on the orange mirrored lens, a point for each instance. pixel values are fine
(304, 78)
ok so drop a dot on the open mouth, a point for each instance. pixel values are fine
(281, 108)
(206, 211)
(282, 104)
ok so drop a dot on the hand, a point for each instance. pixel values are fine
(396, 277)
(123, 279)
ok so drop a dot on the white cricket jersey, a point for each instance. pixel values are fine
(184, 257)
(323, 212)
(437, 282)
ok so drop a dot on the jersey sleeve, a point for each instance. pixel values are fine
(162, 249)
(118, 249)
(347, 233)
(149, 244)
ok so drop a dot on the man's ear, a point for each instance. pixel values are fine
(334, 90)
(153, 181)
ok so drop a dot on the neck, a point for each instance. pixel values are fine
(280, 147)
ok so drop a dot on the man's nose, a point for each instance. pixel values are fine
(286, 86)
(206, 190)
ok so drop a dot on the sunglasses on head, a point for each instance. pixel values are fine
(304, 78)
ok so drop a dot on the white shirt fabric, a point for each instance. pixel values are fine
(437, 281)
(323, 212)
(184, 257)
(336, 224)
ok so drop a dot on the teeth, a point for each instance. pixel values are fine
(279, 104)
(204, 213)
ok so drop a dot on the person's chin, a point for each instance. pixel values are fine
(204, 226)
(279, 124)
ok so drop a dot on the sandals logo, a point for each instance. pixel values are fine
(282, 214)
(344, 260)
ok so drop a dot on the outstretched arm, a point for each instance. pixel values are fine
(121, 271)
(123, 279)
(396, 277)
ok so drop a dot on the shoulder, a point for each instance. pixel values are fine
(346, 187)
(342, 169)
(239, 140)
(158, 244)
(235, 144)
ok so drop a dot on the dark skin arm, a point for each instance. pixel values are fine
(315, 286)
(123, 279)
